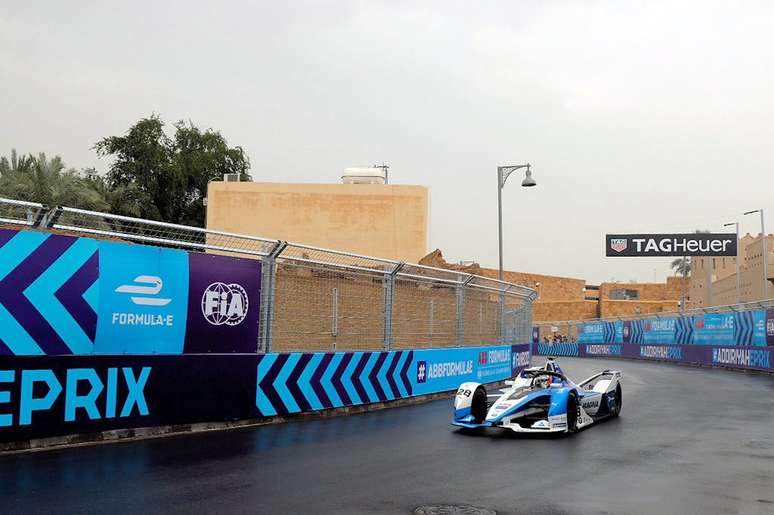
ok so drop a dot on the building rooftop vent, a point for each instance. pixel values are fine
(365, 175)
(231, 177)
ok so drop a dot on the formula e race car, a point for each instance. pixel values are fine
(540, 400)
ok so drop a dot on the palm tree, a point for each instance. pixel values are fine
(48, 181)
(681, 266)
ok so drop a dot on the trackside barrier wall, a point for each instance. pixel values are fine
(739, 336)
(47, 396)
(751, 358)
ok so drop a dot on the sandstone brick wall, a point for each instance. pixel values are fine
(424, 313)
(621, 308)
(564, 310)
(548, 287)
(670, 290)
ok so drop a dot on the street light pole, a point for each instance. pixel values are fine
(765, 255)
(503, 172)
(738, 278)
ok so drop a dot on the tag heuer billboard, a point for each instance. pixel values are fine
(662, 245)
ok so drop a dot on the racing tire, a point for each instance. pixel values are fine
(572, 413)
(478, 405)
(618, 402)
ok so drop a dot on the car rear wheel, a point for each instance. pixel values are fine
(618, 401)
(572, 413)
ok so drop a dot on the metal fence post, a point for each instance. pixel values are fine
(461, 287)
(503, 292)
(389, 299)
(268, 287)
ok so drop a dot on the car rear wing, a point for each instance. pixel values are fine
(607, 374)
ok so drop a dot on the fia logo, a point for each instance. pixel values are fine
(153, 283)
(618, 244)
(421, 371)
(770, 327)
(224, 304)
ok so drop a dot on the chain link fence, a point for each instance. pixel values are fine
(320, 299)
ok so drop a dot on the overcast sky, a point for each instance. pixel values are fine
(637, 116)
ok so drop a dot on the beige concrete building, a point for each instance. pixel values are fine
(384, 220)
(713, 280)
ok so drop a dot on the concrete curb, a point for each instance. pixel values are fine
(143, 433)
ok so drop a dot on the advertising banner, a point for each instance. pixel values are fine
(714, 328)
(659, 352)
(602, 350)
(224, 297)
(600, 332)
(659, 330)
(770, 327)
(62, 295)
(663, 245)
(439, 370)
(143, 299)
(48, 396)
(741, 328)
(520, 356)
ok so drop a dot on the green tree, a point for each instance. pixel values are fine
(165, 178)
(48, 181)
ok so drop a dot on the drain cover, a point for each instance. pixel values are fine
(452, 509)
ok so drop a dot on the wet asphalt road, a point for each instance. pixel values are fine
(688, 441)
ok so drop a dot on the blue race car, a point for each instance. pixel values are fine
(540, 400)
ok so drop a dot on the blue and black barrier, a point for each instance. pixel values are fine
(740, 357)
(734, 339)
(47, 396)
(733, 328)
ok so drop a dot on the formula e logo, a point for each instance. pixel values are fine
(482, 358)
(770, 327)
(145, 285)
(618, 244)
(421, 371)
(224, 304)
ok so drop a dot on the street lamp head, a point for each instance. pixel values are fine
(528, 180)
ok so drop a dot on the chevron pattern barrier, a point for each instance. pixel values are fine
(610, 334)
(558, 349)
(636, 334)
(292, 383)
(684, 329)
(744, 328)
(48, 293)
